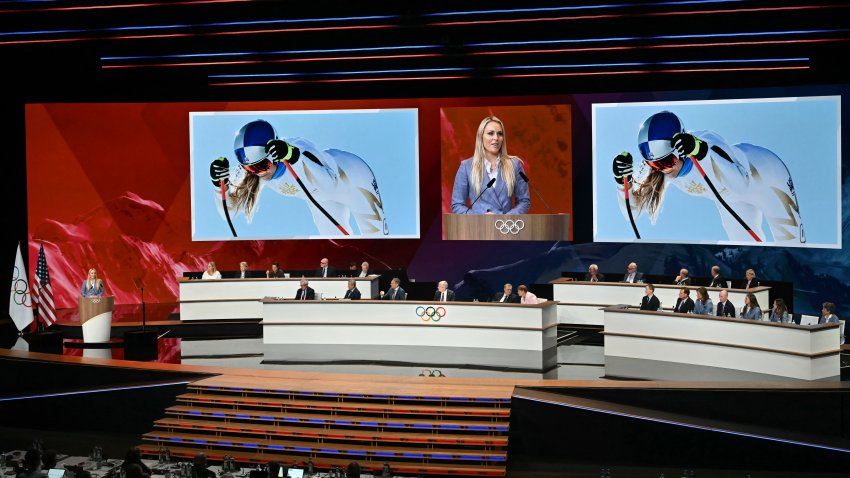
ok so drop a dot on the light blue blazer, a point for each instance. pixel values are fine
(496, 199)
(752, 314)
(93, 291)
(707, 309)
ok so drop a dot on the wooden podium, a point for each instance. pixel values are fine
(96, 318)
(507, 227)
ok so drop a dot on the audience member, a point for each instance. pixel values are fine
(353, 270)
(353, 470)
(135, 471)
(751, 309)
(211, 272)
(632, 275)
(244, 273)
(32, 465)
(305, 292)
(274, 469)
(395, 292)
(324, 269)
(717, 280)
(683, 278)
(526, 296)
(134, 456)
(507, 295)
(703, 305)
(364, 270)
(649, 301)
(751, 281)
(352, 292)
(443, 293)
(593, 274)
(780, 313)
(828, 314)
(199, 467)
(684, 304)
(275, 272)
(725, 308)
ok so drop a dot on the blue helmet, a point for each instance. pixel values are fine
(655, 135)
(250, 142)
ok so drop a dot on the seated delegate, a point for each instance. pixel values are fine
(211, 272)
(703, 305)
(751, 309)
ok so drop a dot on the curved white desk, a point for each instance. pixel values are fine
(582, 302)
(669, 346)
(240, 298)
(410, 323)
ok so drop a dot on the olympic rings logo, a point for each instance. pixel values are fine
(509, 226)
(430, 313)
(20, 289)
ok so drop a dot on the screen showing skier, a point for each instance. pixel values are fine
(744, 172)
(304, 174)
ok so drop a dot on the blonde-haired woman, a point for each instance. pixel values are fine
(490, 165)
(211, 272)
(92, 286)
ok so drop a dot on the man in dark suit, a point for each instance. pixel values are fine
(364, 270)
(632, 275)
(507, 295)
(395, 292)
(443, 293)
(305, 292)
(684, 304)
(593, 274)
(324, 270)
(717, 280)
(649, 301)
(275, 272)
(683, 278)
(724, 307)
(352, 292)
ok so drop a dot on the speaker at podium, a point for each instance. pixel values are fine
(96, 318)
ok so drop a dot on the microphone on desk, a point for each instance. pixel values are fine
(489, 185)
(525, 178)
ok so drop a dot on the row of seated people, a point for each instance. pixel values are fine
(633, 276)
(275, 272)
(751, 310)
(442, 294)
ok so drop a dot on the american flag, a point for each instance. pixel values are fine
(42, 292)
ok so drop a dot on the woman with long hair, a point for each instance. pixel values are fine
(751, 180)
(780, 312)
(703, 305)
(336, 185)
(751, 310)
(92, 286)
(490, 167)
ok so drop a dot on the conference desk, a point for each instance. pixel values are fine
(223, 299)
(656, 345)
(582, 302)
(410, 323)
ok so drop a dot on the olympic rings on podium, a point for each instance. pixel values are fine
(506, 226)
(430, 313)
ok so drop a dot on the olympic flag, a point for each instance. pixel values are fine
(20, 306)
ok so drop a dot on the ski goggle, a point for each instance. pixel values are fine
(664, 163)
(259, 167)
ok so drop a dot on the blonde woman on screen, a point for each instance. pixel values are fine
(491, 179)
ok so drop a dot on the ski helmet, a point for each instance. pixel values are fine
(250, 146)
(654, 139)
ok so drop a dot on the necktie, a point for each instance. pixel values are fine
(443, 297)
(324, 271)
(504, 298)
(631, 277)
(394, 291)
(303, 294)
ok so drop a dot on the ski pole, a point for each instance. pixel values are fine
(722, 201)
(628, 206)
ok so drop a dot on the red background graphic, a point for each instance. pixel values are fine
(540, 135)
(108, 187)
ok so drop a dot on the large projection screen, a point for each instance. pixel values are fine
(768, 172)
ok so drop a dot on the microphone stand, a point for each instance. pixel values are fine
(523, 176)
(489, 185)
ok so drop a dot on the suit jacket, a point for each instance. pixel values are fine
(750, 284)
(277, 275)
(638, 277)
(248, 275)
(828, 319)
(352, 294)
(684, 306)
(311, 294)
(650, 303)
(719, 281)
(685, 281)
(496, 200)
(599, 277)
(331, 272)
(399, 295)
(450, 295)
(361, 274)
(512, 299)
(729, 309)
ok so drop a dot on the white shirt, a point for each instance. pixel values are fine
(216, 275)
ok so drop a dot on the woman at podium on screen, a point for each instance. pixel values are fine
(491, 181)
(92, 286)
